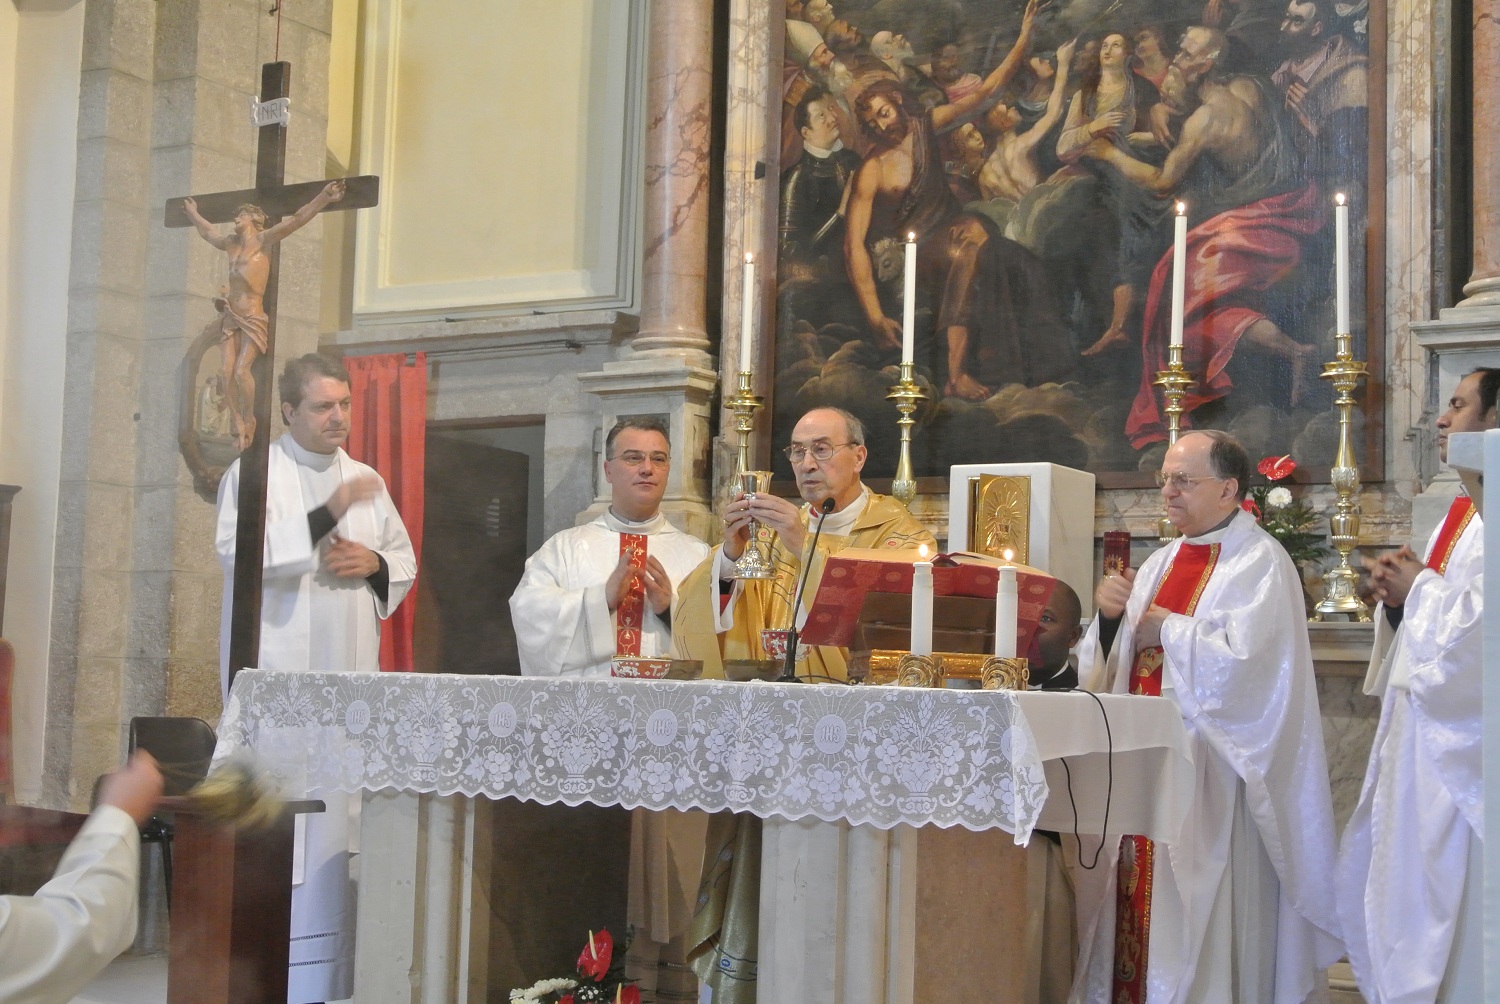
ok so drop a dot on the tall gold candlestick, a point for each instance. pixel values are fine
(744, 404)
(906, 394)
(1174, 382)
(1341, 594)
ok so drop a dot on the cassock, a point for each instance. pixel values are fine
(713, 632)
(724, 936)
(53, 944)
(1410, 867)
(564, 626)
(296, 595)
(1240, 906)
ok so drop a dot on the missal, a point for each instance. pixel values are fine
(853, 573)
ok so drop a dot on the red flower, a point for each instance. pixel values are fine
(630, 994)
(1249, 506)
(565, 999)
(1277, 468)
(594, 961)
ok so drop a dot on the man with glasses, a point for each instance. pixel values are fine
(604, 589)
(1412, 860)
(1241, 907)
(721, 617)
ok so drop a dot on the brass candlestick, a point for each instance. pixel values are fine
(1341, 595)
(744, 404)
(1174, 382)
(906, 394)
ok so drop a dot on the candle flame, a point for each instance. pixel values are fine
(1339, 198)
(1009, 554)
(1181, 208)
(911, 237)
(749, 258)
(922, 551)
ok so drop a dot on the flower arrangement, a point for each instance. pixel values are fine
(600, 979)
(1288, 519)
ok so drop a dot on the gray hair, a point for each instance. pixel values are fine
(645, 423)
(299, 371)
(1228, 459)
(856, 427)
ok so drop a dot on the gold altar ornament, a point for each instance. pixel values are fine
(1341, 594)
(743, 403)
(906, 394)
(1000, 516)
(919, 671)
(1005, 674)
(1174, 382)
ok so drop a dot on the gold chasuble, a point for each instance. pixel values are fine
(724, 937)
(767, 603)
(1178, 592)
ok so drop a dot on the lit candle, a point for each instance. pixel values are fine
(1341, 265)
(1007, 608)
(747, 314)
(921, 605)
(909, 302)
(1179, 272)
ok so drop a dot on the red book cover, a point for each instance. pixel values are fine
(1116, 551)
(853, 572)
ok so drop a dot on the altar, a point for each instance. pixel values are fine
(849, 779)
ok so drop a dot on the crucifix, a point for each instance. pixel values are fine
(247, 319)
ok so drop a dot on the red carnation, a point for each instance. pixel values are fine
(1277, 468)
(594, 961)
(1249, 506)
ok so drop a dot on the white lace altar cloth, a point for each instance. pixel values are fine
(867, 755)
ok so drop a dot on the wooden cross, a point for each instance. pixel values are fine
(276, 199)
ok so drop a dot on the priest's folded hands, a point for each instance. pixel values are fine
(652, 575)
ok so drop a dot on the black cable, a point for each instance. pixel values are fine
(1109, 790)
(789, 666)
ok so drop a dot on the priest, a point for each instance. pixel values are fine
(1239, 907)
(1411, 864)
(722, 617)
(606, 588)
(337, 562)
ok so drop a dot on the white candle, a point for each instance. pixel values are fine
(909, 302)
(1179, 272)
(1007, 604)
(747, 314)
(921, 606)
(1341, 265)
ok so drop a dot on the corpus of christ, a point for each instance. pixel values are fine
(775, 500)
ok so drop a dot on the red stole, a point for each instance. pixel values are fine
(1459, 514)
(1178, 591)
(632, 608)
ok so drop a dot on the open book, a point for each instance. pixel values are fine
(851, 574)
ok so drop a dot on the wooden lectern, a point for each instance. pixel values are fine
(231, 908)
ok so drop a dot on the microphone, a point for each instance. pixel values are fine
(789, 660)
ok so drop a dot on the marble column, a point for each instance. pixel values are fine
(1483, 288)
(679, 116)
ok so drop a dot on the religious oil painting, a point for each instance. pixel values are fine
(1039, 152)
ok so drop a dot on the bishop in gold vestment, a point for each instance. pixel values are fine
(719, 617)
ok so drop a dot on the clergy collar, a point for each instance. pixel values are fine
(822, 154)
(1218, 533)
(842, 522)
(307, 458)
(619, 524)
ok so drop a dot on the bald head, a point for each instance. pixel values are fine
(1203, 478)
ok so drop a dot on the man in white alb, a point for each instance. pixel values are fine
(604, 589)
(337, 562)
(1238, 907)
(1411, 863)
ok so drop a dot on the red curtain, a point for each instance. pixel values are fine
(389, 432)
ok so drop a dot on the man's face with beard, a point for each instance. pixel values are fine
(1195, 57)
(885, 119)
(946, 67)
(1301, 29)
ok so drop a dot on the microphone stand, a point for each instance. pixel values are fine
(789, 660)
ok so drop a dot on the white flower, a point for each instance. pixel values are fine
(1279, 498)
(541, 989)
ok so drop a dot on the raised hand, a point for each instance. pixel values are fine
(1113, 592)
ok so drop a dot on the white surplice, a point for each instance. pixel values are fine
(314, 621)
(53, 944)
(1407, 887)
(563, 624)
(1242, 901)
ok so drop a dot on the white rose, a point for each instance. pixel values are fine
(1279, 498)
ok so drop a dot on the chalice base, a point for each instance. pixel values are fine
(754, 563)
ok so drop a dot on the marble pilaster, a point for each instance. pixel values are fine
(1483, 288)
(679, 117)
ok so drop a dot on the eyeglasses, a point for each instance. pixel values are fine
(635, 458)
(820, 451)
(1181, 482)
